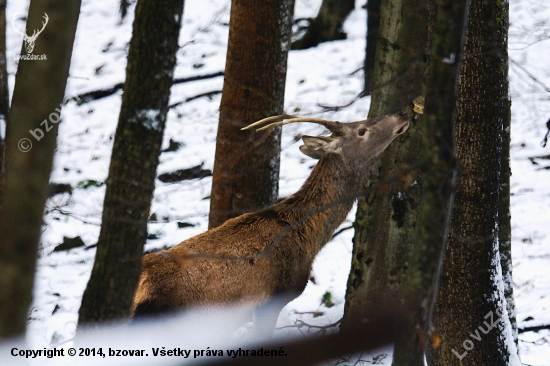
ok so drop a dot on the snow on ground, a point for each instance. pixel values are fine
(529, 41)
(326, 75)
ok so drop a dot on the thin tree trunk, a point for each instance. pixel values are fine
(327, 25)
(124, 5)
(246, 165)
(471, 300)
(37, 97)
(131, 181)
(373, 25)
(4, 93)
(387, 215)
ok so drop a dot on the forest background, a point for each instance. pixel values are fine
(327, 75)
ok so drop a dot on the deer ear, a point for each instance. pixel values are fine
(316, 147)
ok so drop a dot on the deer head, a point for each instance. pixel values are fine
(356, 142)
(29, 40)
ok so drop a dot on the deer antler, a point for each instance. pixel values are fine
(268, 119)
(285, 119)
(14, 27)
(35, 34)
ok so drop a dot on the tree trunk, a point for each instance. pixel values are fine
(37, 97)
(439, 178)
(504, 216)
(373, 25)
(131, 181)
(246, 165)
(327, 25)
(471, 315)
(4, 94)
(387, 214)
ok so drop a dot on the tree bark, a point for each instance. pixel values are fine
(246, 165)
(439, 175)
(373, 25)
(327, 25)
(4, 94)
(504, 215)
(471, 300)
(387, 214)
(37, 97)
(131, 181)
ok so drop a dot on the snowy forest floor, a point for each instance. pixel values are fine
(328, 75)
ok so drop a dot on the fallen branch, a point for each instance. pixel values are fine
(534, 328)
(196, 172)
(207, 94)
(102, 93)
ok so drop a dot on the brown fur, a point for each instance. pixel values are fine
(254, 257)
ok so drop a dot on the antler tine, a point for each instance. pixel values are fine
(46, 19)
(268, 119)
(331, 125)
(286, 119)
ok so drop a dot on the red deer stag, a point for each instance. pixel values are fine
(262, 260)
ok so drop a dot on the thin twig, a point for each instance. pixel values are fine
(533, 77)
(341, 231)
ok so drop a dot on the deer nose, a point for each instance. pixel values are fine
(404, 115)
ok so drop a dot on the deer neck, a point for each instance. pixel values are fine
(325, 199)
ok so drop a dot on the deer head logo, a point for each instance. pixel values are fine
(29, 40)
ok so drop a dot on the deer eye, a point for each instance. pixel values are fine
(362, 132)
